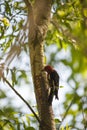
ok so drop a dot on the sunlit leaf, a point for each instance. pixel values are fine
(57, 121)
(6, 22)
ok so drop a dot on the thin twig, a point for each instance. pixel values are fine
(6, 68)
(66, 112)
(22, 99)
(41, 124)
(15, 15)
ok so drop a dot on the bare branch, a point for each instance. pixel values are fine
(22, 99)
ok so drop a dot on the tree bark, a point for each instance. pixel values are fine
(39, 17)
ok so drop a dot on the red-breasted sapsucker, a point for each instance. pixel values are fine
(53, 79)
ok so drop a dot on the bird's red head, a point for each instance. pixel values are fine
(48, 68)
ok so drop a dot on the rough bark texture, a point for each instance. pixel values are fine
(39, 16)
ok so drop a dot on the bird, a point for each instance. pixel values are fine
(53, 79)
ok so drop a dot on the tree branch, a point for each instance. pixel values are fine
(28, 4)
(66, 112)
(22, 99)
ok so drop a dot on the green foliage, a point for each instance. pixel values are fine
(57, 121)
(5, 22)
(14, 120)
(11, 21)
(68, 32)
(66, 128)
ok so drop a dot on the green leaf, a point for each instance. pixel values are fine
(2, 95)
(14, 81)
(28, 119)
(32, 115)
(57, 121)
(18, 126)
(62, 128)
(61, 86)
(30, 128)
(67, 127)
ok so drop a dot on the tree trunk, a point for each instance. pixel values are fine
(39, 17)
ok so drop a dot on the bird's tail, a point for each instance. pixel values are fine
(50, 99)
(56, 94)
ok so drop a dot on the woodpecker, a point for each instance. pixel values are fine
(53, 79)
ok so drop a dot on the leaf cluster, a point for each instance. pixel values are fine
(14, 120)
(67, 32)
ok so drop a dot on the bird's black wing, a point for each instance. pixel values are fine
(55, 77)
